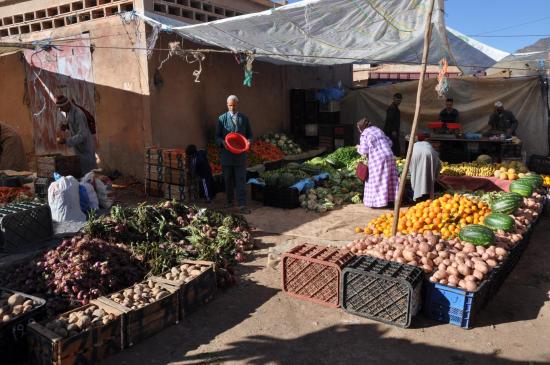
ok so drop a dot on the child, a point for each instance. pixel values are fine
(199, 166)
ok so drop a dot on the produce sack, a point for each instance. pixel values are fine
(91, 196)
(103, 188)
(64, 200)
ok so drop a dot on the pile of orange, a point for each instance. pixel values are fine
(444, 216)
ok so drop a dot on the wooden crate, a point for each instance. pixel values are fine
(172, 158)
(88, 347)
(46, 165)
(142, 323)
(197, 292)
(166, 175)
(154, 188)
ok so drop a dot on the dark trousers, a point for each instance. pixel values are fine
(235, 181)
(396, 147)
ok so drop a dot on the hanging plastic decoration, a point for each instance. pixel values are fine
(443, 84)
(248, 72)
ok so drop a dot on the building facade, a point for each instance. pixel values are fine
(97, 53)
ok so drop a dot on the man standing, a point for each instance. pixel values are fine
(503, 121)
(81, 139)
(449, 114)
(233, 165)
(393, 122)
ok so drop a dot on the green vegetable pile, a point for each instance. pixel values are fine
(344, 157)
(343, 187)
(289, 175)
(285, 143)
(162, 235)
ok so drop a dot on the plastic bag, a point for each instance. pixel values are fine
(91, 196)
(103, 188)
(64, 200)
(84, 200)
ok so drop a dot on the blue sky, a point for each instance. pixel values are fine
(482, 17)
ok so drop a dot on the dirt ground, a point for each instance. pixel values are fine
(254, 322)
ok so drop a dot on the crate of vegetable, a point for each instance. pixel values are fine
(453, 305)
(17, 310)
(312, 273)
(85, 335)
(147, 308)
(382, 290)
(24, 224)
(196, 283)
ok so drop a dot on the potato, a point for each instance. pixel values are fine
(6, 318)
(491, 263)
(478, 275)
(17, 310)
(462, 284)
(463, 269)
(16, 299)
(471, 286)
(481, 267)
(408, 255)
(470, 278)
(452, 271)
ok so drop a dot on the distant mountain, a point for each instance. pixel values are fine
(541, 45)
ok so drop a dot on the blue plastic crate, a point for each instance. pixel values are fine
(453, 305)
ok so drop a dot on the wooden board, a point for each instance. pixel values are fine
(142, 323)
(195, 293)
(87, 347)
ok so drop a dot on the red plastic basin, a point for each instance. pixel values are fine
(236, 143)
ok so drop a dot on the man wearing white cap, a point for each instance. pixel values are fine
(503, 121)
(81, 139)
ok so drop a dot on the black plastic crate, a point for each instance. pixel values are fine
(13, 347)
(381, 290)
(24, 224)
(285, 198)
(510, 150)
(257, 192)
(41, 186)
(329, 118)
(273, 165)
(540, 164)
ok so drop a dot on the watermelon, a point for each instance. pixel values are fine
(496, 221)
(505, 205)
(514, 196)
(272, 180)
(522, 188)
(477, 234)
(535, 181)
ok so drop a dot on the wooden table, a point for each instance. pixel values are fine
(456, 150)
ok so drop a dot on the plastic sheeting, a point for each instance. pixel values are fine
(474, 99)
(330, 32)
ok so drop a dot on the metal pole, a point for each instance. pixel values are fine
(403, 180)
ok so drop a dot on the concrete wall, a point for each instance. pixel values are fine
(121, 83)
(185, 112)
(14, 109)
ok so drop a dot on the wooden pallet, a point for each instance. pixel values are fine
(88, 347)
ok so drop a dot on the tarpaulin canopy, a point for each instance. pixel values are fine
(331, 32)
(474, 98)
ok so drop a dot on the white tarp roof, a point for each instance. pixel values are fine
(330, 32)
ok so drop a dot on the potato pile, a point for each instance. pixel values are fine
(140, 295)
(185, 272)
(13, 305)
(79, 321)
(452, 263)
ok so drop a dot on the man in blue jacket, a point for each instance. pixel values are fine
(233, 165)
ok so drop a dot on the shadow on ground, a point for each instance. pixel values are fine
(340, 344)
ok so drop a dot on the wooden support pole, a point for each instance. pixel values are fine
(425, 53)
